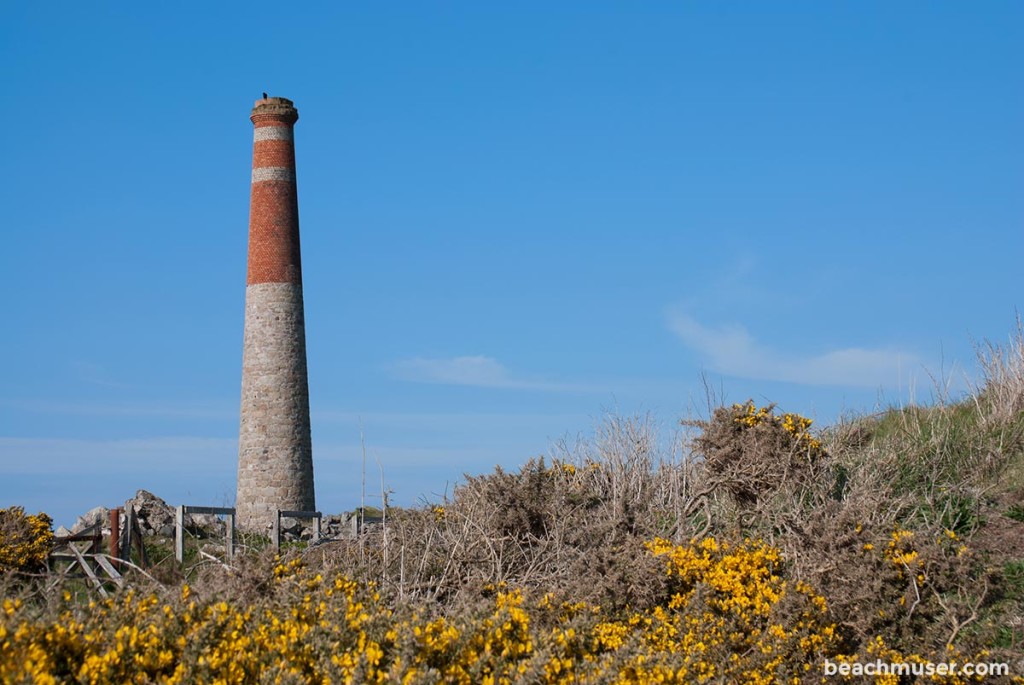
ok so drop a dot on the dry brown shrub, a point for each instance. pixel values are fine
(573, 524)
(881, 517)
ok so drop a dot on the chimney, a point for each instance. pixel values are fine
(275, 455)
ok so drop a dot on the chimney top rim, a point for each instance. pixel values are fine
(274, 109)
(262, 102)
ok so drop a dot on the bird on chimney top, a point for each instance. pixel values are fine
(264, 96)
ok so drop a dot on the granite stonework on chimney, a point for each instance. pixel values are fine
(275, 455)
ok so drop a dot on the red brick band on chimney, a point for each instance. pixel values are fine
(274, 253)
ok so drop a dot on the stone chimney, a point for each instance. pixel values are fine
(275, 455)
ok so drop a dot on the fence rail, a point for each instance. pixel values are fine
(316, 516)
(179, 528)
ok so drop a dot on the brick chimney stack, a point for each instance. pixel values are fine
(275, 455)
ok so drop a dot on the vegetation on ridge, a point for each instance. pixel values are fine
(749, 552)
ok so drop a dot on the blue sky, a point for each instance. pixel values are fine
(515, 217)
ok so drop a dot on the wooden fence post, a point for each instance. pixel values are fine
(179, 533)
(125, 546)
(229, 544)
(115, 529)
(275, 534)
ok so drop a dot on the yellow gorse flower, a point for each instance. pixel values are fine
(729, 615)
(750, 415)
(25, 539)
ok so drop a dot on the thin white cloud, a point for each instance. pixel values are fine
(480, 371)
(94, 374)
(477, 371)
(731, 350)
(184, 410)
(446, 422)
(95, 458)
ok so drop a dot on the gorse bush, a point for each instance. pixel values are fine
(312, 629)
(752, 451)
(25, 540)
(728, 614)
